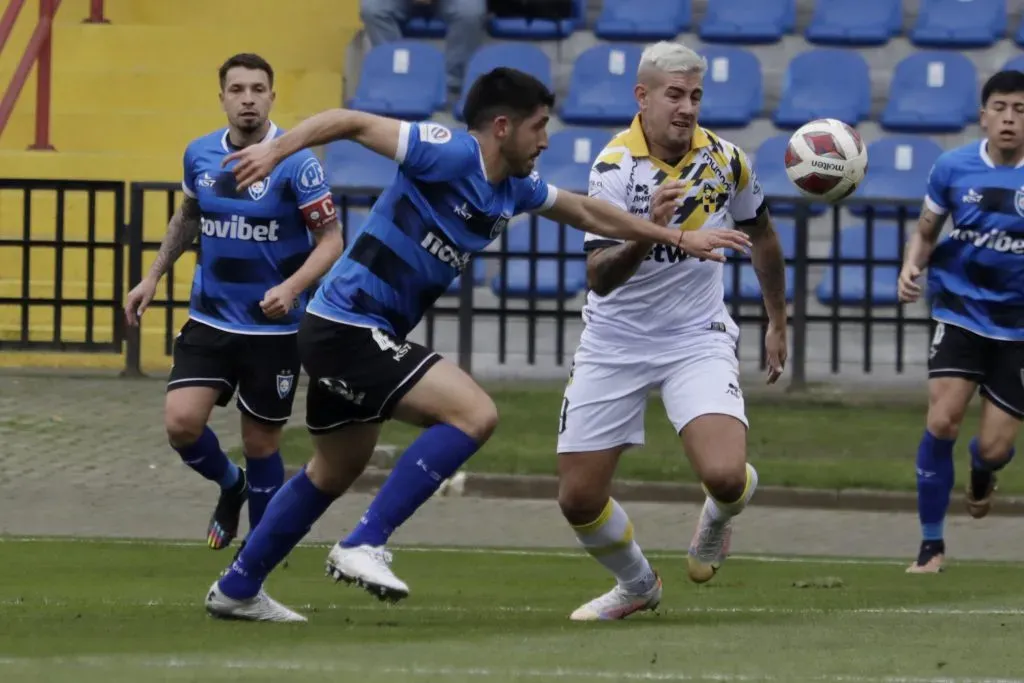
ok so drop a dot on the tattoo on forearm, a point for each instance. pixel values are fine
(182, 230)
(609, 268)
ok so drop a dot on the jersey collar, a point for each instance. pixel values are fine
(228, 147)
(636, 143)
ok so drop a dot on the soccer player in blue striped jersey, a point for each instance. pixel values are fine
(455, 193)
(261, 251)
(976, 289)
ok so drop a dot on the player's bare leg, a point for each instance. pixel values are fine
(186, 412)
(990, 451)
(948, 398)
(264, 468)
(604, 530)
(459, 418)
(717, 448)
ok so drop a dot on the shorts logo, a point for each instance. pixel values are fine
(734, 391)
(940, 331)
(386, 343)
(259, 189)
(285, 383)
(341, 388)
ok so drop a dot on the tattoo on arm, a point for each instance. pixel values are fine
(770, 266)
(182, 230)
(929, 225)
(610, 267)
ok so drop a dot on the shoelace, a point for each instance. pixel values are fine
(713, 534)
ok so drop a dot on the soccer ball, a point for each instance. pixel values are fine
(826, 160)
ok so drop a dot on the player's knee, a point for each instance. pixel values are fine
(261, 444)
(995, 448)
(579, 504)
(726, 482)
(943, 423)
(478, 419)
(183, 426)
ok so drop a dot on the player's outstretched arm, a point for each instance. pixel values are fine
(919, 250)
(381, 134)
(277, 301)
(770, 266)
(182, 230)
(601, 218)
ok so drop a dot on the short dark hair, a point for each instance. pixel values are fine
(504, 91)
(247, 60)
(1004, 83)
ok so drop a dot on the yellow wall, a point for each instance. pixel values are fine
(127, 98)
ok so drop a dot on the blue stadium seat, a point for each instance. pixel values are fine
(601, 86)
(860, 22)
(959, 23)
(404, 79)
(522, 56)
(899, 170)
(1015, 63)
(350, 165)
(853, 279)
(932, 92)
(733, 89)
(770, 167)
(748, 21)
(518, 272)
(479, 266)
(749, 291)
(538, 29)
(571, 152)
(825, 83)
(647, 20)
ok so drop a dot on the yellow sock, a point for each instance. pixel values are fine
(722, 510)
(609, 539)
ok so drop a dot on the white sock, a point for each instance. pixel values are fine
(721, 511)
(609, 539)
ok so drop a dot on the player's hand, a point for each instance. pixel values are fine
(775, 350)
(255, 163)
(138, 300)
(907, 288)
(278, 301)
(664, 201)
(703, 243)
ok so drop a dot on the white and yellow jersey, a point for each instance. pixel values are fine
(671, 294)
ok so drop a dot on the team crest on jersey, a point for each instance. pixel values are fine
(259, 189)
(285, 382)
(1018, 201)
(499, 226)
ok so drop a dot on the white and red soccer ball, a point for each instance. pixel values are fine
(826, 160)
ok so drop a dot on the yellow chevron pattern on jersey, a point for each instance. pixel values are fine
(713, 171)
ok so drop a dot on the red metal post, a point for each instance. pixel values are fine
(7, 20)
(47, 9)
(96, 13)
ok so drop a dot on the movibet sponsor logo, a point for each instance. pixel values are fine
(443, 252)
(996, 240)
(238, 228)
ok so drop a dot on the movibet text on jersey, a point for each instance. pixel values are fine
(238, 228)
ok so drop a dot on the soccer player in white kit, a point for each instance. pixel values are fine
(656, 319)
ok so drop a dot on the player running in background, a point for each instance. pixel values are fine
(256, 263)
(655, 319)
(976, 292)
(454, 194)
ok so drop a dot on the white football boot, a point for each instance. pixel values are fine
(619, 604)
(261, 607)
(369, 568)
(709, 547)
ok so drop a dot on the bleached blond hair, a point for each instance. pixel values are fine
(666, 57)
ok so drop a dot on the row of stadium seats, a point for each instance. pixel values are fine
(930, 91)
(939, 23)
(899, 167)
(852, 278)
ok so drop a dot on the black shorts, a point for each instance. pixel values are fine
(263, 367)
(356, 374)
(997, 366)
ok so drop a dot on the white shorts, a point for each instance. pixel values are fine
(604, 401)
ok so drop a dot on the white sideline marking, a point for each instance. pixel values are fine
(566, 554)
(526, 609)
(479, 672)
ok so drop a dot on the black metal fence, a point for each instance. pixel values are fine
(840, 273)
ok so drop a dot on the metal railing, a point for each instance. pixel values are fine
(530, 282)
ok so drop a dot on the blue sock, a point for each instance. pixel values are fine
(206, 457)
(265, 476)
(289, 516)
(935, 479)
(980, 465)
(436, 455)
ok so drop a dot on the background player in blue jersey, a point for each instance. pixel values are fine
(976, 290)
(257, 261)
(455, 193)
